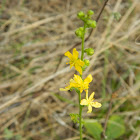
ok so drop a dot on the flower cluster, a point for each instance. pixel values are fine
(77, 83)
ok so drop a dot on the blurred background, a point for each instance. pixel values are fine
(34, 35)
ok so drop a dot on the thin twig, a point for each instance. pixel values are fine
(97, 19)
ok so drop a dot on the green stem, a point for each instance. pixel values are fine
(80, 117)
(83, 40)
(80, 106)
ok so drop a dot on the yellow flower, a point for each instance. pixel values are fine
(89, 102)
(78, 82)
(75, 61)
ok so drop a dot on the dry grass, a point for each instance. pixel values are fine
(34, 34)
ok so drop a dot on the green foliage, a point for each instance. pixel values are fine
(137, 76)
(93, 128)
(117, 15)
(115, 127)
(2, 6)
(8, 134)
(74, 117)
(33, 69)
(18, 137)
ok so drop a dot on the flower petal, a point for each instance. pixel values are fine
(81, 89)
(78, 79)
(75, 54)
(64, 89)
(89, 109)
(73, 84)
(80, 62)
(71, 65)
(96, 104)
(88, 79)
(78, 68)
(83, 102)
(69, 55)
(91, 96)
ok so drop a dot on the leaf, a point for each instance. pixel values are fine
(93, 128)
(115, 127)
(8, 134)
(18, 137)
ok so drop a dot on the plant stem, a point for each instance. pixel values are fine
(80, 106)
(83, 41)
(80, 117)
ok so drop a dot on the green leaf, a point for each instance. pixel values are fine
(94, 128)
(115, 127)
(8, 134)
(18, 137)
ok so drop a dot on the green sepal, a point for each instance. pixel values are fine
(76, 89)
(87, 63)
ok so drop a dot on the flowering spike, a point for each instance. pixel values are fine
(78, 83)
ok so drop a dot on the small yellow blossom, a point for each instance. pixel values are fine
(78, 82)
(75, 61)
(89, 102)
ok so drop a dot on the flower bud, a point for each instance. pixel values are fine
(80, 32)
(81, 14)
(89, 51)
(90, 12)
(91, 23)
(86, 62)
